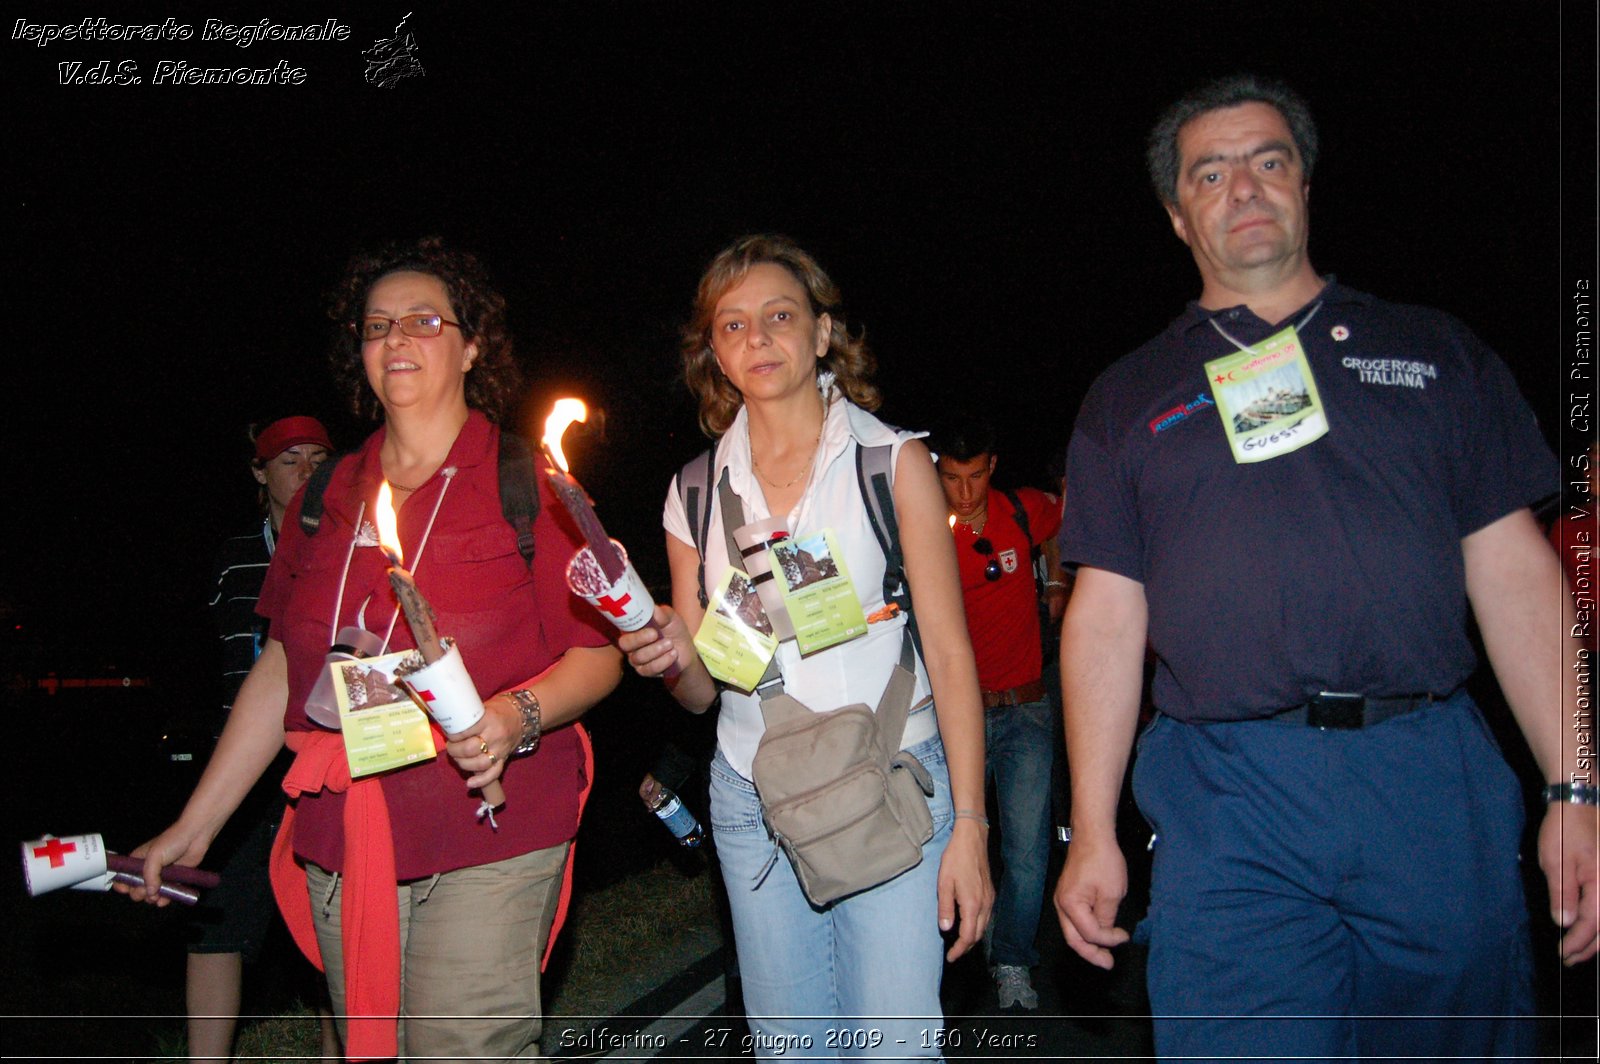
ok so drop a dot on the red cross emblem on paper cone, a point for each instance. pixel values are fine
(50, 863)
(55, 851)
(613, 606)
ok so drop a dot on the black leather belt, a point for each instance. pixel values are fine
(1335, 709)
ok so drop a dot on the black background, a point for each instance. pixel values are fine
(970, 174)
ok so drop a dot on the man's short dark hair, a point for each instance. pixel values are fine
(963, 439)
(1161, 151)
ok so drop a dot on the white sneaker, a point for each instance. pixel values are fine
(1014, 987)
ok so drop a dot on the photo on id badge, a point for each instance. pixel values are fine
(380, 723)
(1268, 398)
(805, 562)
(366, 687)
(739, 602)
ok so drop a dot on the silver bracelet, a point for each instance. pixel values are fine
(527, 704)
(1575, 793)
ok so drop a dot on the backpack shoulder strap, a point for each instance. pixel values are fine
(770, 685)
(694, 491)
(1035, 550)
(311, 503)
(1019, 515)
(874, 466)
(519, 491)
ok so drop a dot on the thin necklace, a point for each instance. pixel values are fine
(809, 463)
(402, 487)
(1301, 324)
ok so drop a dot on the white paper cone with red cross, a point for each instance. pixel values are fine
(625, 603)
(50, 863)
(446, 691)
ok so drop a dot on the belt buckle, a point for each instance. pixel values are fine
(1336, 709)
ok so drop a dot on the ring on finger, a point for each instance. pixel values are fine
(483, 745)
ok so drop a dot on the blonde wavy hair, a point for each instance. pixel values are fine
(847, 356)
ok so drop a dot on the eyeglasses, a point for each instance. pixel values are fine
(376, 326)
(991, 572)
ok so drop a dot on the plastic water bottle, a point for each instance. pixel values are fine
(676, 816)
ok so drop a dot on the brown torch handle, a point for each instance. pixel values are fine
(673, 669)
(192, 877)
(492, 792)
(419, 615)
(185, 895)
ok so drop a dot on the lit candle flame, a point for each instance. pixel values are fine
(952, 518)
(565, 412)
(388, 526)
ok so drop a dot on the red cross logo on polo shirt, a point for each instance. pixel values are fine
(56, 850)
(613, 606)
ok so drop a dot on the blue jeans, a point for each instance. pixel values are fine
(1019, 741)
(856, 978)
(1331, 894)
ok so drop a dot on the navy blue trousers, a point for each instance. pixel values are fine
(1322, 894)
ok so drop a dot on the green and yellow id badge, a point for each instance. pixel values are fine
(1267, 398)
(382, 726)
(735, 639)
(822, 602)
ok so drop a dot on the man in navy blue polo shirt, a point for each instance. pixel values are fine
(1293, 494)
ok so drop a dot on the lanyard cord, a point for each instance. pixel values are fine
(355, 536)
(338, 601)
(449, 473)
(1230, 338)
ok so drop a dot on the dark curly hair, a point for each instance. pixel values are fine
(847, 356)
(494, 381)
(1161, 148)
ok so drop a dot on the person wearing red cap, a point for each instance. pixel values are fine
(286, 452)
(230, 926)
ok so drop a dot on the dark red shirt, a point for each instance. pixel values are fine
(511, 624)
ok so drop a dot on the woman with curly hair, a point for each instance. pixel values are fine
(416, 909)
(787, 389)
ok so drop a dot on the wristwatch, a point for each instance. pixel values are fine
(1576, 793)
(527, 704)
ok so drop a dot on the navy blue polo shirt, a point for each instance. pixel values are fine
(1334, 567)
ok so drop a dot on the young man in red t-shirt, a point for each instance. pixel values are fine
(996, 534)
